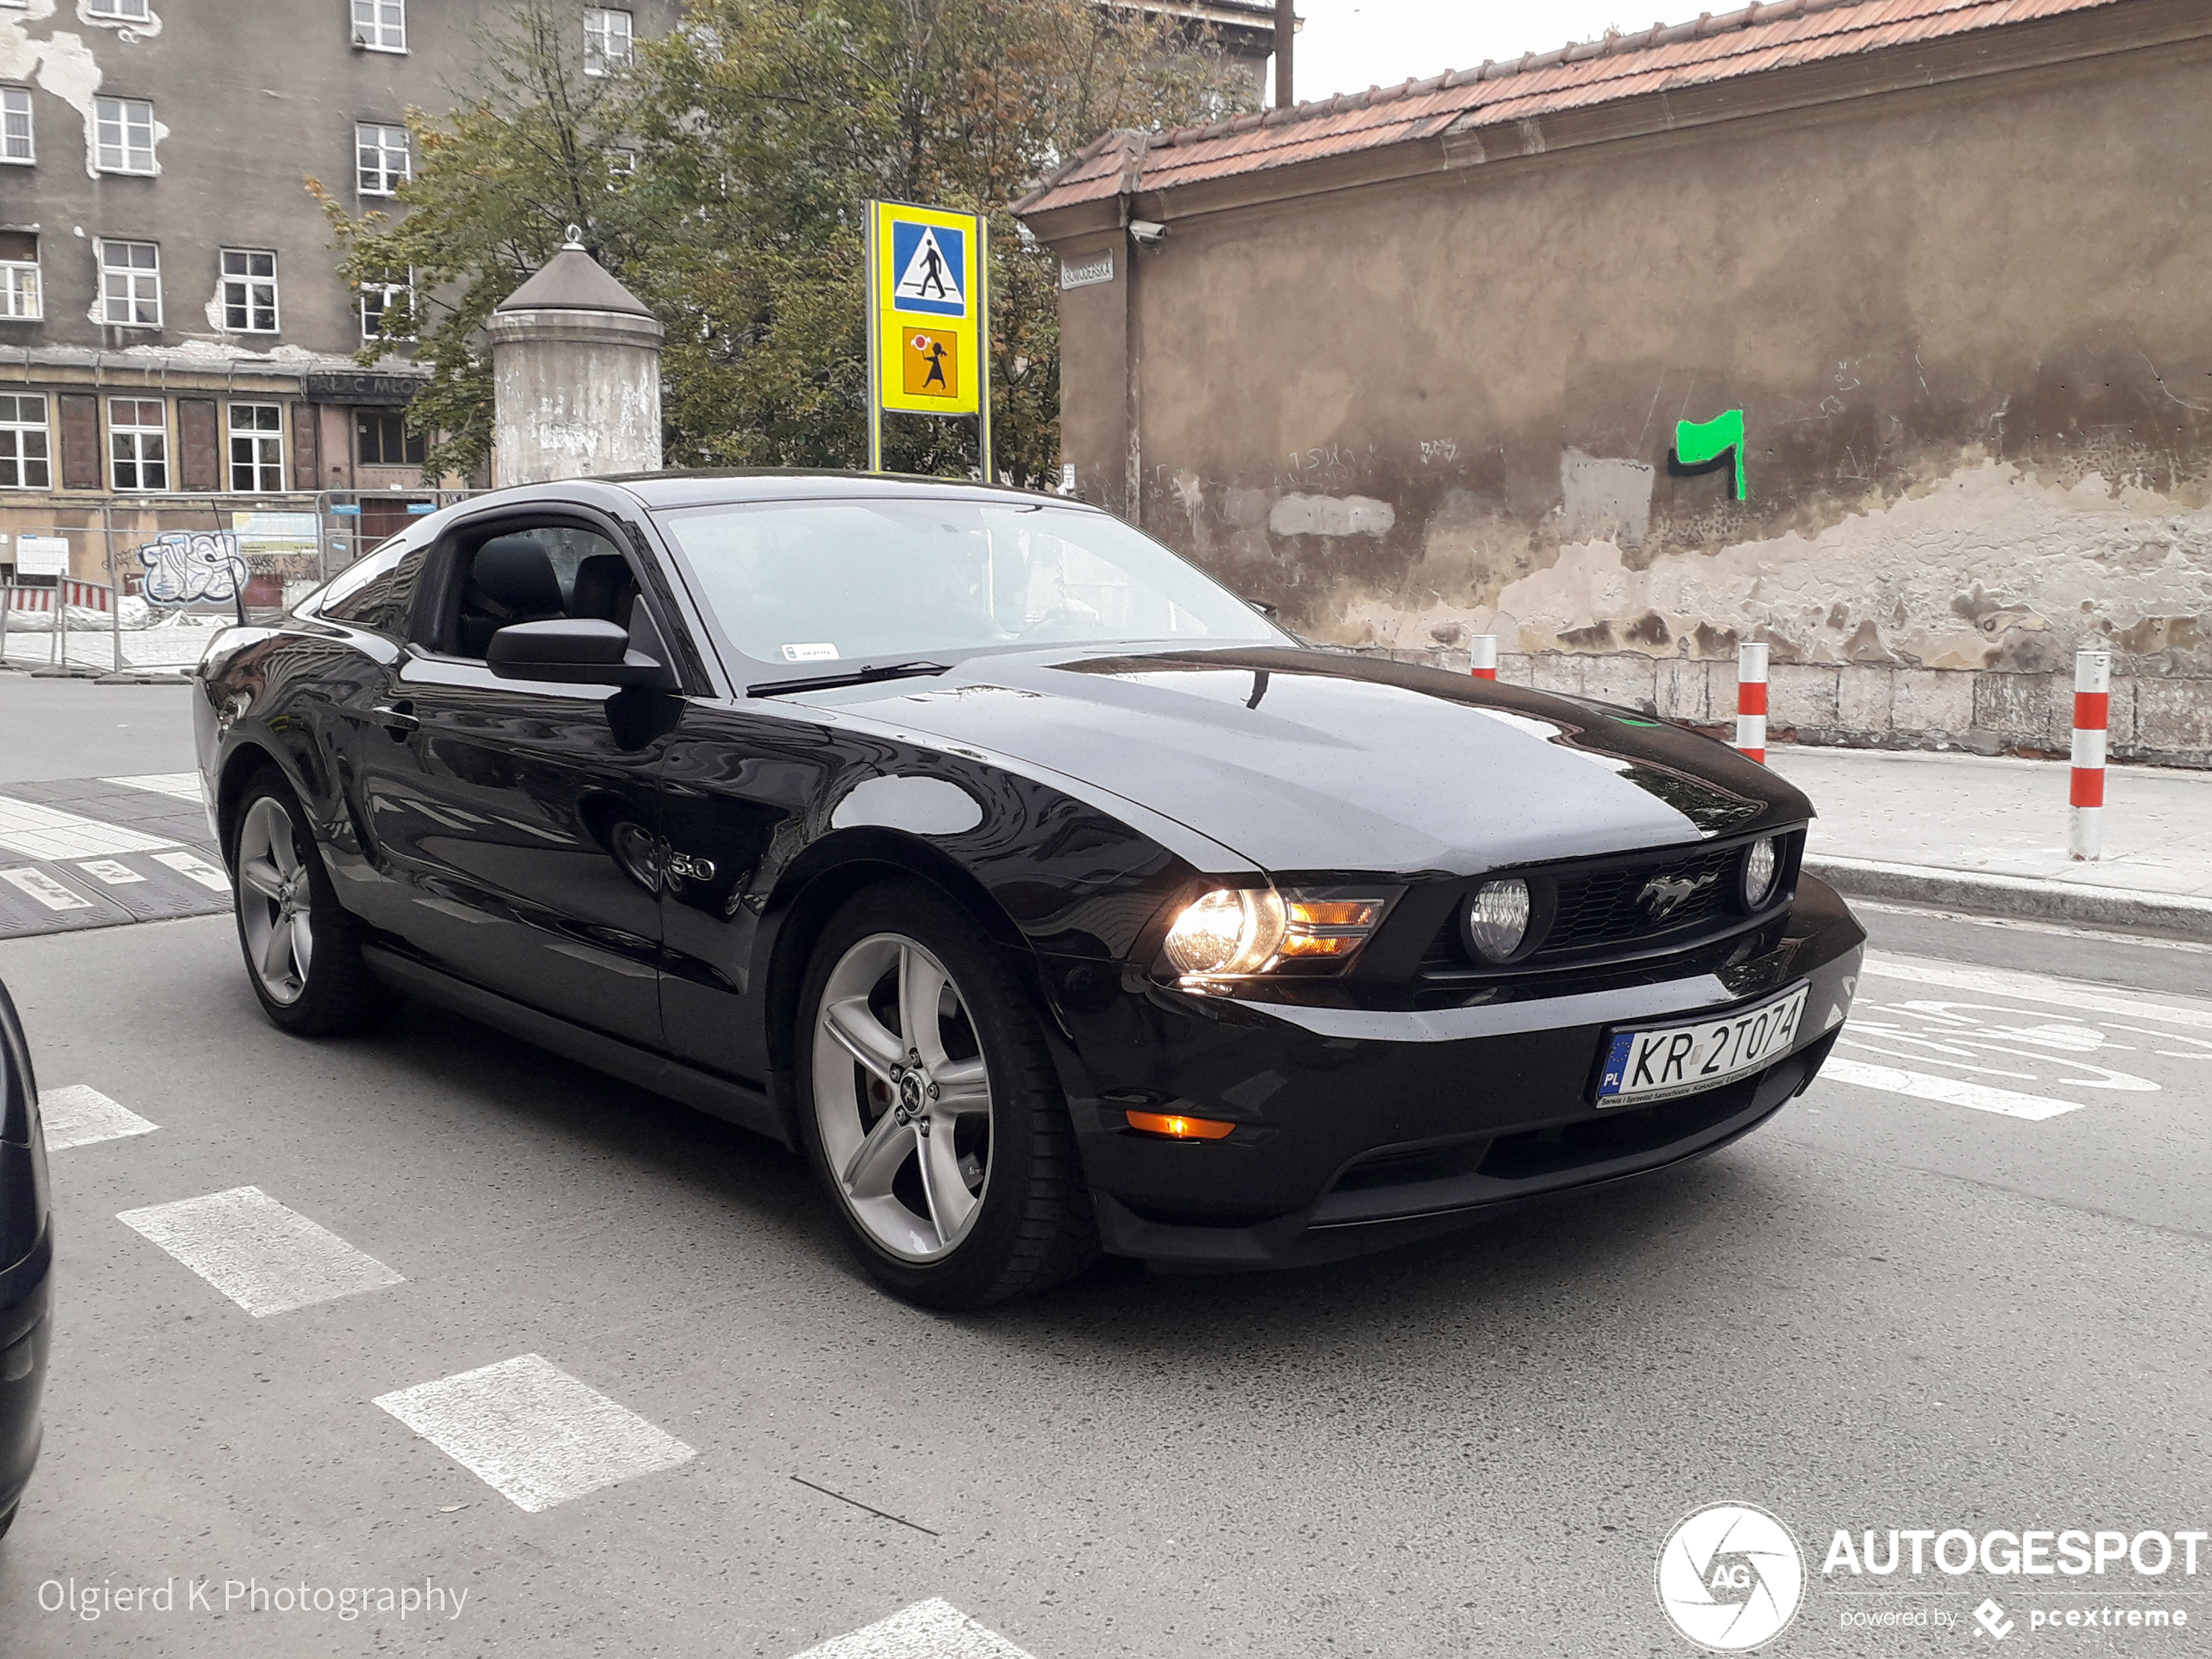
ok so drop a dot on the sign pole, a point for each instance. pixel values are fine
(983, 346)
(875, 401)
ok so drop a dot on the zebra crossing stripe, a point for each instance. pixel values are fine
(81, 1116)
(931, 1629)
(266, 1257)
(38, 886)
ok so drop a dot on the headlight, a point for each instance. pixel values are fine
(1231, 930)
(1498, 919)
(1235, 931)
(1761, 864)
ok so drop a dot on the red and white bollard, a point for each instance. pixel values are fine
(1750, 701)
(2085, 833)
(1482, 657)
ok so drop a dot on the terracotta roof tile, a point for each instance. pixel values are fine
(1779, 35)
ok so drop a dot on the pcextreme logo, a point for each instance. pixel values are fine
(1730, 1577)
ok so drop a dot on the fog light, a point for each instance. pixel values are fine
(1231, 930)
(1761, 864)
(1498, 920)
(1179, 1128)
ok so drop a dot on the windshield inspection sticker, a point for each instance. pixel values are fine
(810, 653)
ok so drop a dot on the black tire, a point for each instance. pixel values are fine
(1030, 1225)
(334, 990)
(9, 1520)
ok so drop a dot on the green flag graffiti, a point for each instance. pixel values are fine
(1695, 444)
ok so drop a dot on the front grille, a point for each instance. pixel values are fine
(1608, 906)
(1603, 910)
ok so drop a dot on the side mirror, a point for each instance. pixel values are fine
(574, 651)
(1265, 609)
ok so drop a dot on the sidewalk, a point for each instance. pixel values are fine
(1989, 835)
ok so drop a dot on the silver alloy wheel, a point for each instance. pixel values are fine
(273, 901)
(902, 1097)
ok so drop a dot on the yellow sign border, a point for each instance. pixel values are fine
(887, 392)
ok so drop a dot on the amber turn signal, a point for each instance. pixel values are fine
(1181, 1129)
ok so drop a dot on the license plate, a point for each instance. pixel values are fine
(1663, 1062)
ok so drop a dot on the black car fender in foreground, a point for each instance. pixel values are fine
(1319, 952)
(26, 1263)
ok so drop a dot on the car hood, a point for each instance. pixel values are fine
(1312, 761)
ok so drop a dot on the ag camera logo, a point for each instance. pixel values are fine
(1730, 1577)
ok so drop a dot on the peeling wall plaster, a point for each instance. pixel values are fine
(62, 65)
(1609, 500)
(1987, 568)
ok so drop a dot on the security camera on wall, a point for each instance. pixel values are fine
(1147, 233)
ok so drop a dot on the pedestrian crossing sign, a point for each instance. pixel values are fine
(926, 311)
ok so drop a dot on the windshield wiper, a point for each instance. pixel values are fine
(867, 674)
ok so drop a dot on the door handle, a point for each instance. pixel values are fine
(398, 719)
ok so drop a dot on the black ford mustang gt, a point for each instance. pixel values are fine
(1040, 889)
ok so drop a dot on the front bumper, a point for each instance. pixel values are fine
(1360, 1128)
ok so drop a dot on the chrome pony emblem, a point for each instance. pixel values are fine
(1663, 895)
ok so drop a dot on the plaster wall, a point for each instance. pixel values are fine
(1965, 323)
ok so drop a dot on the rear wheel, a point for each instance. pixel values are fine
(931, 1109)
(303, 951)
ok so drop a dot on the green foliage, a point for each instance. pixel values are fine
(758, 131)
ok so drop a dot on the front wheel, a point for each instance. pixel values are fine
(931, 1109)
(303, 951)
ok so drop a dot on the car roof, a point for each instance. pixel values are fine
(718, 486)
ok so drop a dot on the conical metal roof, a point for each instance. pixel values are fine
(573, 281)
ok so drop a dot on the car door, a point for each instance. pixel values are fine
(516, 820)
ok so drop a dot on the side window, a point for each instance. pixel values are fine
(377, 593)
(535, 574)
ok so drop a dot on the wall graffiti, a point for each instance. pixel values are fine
(184, 567)
(1701, 443)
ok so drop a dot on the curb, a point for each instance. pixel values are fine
(1978, 892)
(145, 677)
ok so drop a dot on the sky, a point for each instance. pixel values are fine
(1349, 46)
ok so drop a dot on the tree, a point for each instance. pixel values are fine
(758, 131)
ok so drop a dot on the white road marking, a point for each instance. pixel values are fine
(55, 895)
(184, 786)
(264, 1258)
(40, 832)
(532, 1432)
(192, 867)
(2035, 988)
(79, 1117)
(114, 871)
(931, 1629)
(1951, 1091)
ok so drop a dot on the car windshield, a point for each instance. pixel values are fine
(897, 578)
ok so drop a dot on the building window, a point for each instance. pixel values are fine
(249, 291)
(129, 11)
(130, 284)
(15, 125)
(382, 440)
(137, 442)
(378, 299)
(383, 157)
(123, 134)
(607, 34)
(621, 167)
(257, 447)
(26, 460)
(19, 296)
(380, 26)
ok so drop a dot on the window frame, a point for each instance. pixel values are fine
(598, 61)
(408, 441)
(112, 10)
(11, 289)
(13, 427)
(107, 300)
(256, 435)
(391, 184)
(148, 446)
(386, 290)
(247, 281)
(123, 147)
(10, 109)
(374, 36)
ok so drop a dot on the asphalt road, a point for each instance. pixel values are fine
(1883, 1311)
